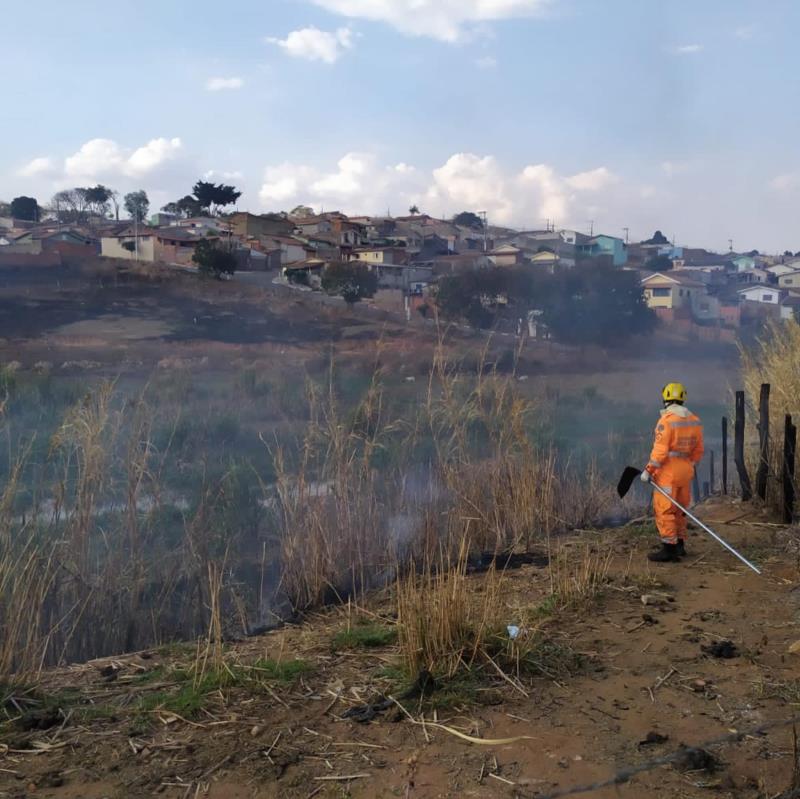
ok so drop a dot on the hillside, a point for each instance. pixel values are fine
(613, 684)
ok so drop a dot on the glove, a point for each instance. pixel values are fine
(645, 476)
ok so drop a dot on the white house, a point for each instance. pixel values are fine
(763, 294)
(790, 280)
(782, 269)
(754, 275)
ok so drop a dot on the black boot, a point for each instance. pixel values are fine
(681, 548)
(667, 554)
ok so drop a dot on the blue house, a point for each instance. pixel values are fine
(605, 245)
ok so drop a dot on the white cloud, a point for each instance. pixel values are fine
(151, 156)
(745, 32)
(105, 158)
(314, 44)
(594, 180)
(673, 168)
(687, 49)
(446, 20)
(213, 174)
(785, 182)
(224, 84)
(360, 184)
(486, 62)
(37, 168)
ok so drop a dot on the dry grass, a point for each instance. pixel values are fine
(444, 623)
(775, 359)
(368, 486)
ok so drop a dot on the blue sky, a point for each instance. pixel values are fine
(631, 113)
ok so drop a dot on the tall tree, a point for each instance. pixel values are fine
(5, 209)
(97, 198)
(658, 238)
(213, 196)
(213, 260)
(468, 219)
(137, 205)
(351, 280)
(25, 208)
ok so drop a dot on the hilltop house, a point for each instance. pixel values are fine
(743, 263)
(766, 295)
(790, 281)
(248, 225)
(171, 245)
(292, 250)
(672, 290)
(506, 255)
(608, 246)
(381, 255)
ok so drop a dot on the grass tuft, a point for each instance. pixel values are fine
(365, 636)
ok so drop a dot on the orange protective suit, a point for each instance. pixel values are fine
(677, 449)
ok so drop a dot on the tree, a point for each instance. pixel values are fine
(213, 196)
(472, 295)
(97, 198)
(597, 305)
(351, 280)
(212, 260)
(786, 253)
(468, 219)
(301, 212)
(658, 263)
(186, 207)
(25, 208)
(137, 205)
(414, 210)
(5, 209)
(658, 238)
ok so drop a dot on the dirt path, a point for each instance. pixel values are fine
(644, 671)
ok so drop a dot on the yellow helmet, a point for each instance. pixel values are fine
(674, 392)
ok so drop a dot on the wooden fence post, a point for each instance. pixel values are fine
(763, 442)
(738, 448)
(696, 487)
(724, 454)
(712, 477)
(789, 455)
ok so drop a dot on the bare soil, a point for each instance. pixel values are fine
(645, 671)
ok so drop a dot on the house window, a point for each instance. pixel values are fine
(788, 281)
(766, 298)
(680, 292)
(661, 292)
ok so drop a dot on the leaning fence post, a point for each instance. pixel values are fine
(696, 487)
(763, 442)
(724, 454)
(789, 454)
(712, 478)
(738, 448)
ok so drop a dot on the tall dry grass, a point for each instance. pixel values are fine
(444, 624)
(369, 485)
(774, 359)
(85, 571)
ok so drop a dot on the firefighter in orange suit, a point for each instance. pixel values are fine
(677, 449)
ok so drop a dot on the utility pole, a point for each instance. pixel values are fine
(627, 233)
(591, 227)
(730, 244)
(136, 233)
